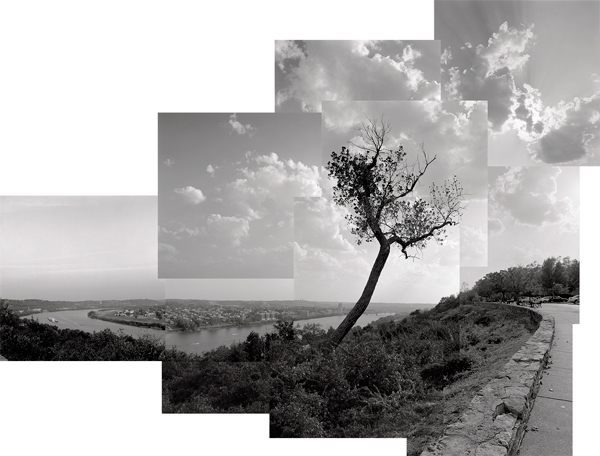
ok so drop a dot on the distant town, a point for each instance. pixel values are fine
(197, 315)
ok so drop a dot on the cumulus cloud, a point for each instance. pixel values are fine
(287, 50)
(568, 131)
(263, 192)
(565, 133)
(460, 127)
(167, 253)
(238, 127)
(528, 196)
(225, 230)
(489, 76)
(446, 56)
(190, 194)
(268, 184)
(506, 49)
(495, 226)
(169, 162)
(319, 222)
(498, 89)
(167, 248)
(210, 169)
(338, 70)
(179, 230)
(528, 113)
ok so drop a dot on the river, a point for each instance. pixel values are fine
(207, 339)
(191, 342)
(78, 319)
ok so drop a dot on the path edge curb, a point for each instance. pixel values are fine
(496, 420)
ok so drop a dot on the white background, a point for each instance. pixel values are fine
(81, 86)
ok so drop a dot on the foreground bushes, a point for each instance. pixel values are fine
(23, 339)
(382, 381)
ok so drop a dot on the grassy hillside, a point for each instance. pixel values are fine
(407, 378)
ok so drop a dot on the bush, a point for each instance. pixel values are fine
(442, 374)
(23, 339)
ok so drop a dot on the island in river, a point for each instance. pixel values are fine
(146, 318)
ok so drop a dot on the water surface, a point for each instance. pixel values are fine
(208, 339)
(78, 319)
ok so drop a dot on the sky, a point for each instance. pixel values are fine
(329, 266)
(454, 132)
(89, 127)
(534, 214)
(538, 65)
(231, 289)
(309, 71)
(328, 263)
(79, 248)
(226, 188)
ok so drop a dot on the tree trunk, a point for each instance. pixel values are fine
(365, 298)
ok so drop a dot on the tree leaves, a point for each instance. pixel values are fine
(377, 185)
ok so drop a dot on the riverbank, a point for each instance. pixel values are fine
(260, 322)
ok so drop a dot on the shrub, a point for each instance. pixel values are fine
(442, 374)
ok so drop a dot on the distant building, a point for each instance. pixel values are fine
(340, 308)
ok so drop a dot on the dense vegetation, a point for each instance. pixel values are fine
(554, 277)
(24, 339)
(405, 378)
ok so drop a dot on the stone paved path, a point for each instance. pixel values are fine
(551, 421)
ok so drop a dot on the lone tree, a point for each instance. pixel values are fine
(377, 185)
